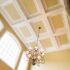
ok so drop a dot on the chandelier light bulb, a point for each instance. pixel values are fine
(29, 55)
(39, 57)
(43, 54)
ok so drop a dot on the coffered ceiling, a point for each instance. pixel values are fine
(25, 16)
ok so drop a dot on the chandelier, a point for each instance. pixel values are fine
(35, 54)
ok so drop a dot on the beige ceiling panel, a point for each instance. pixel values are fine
(36, 26)
(46, 43)
(49, 4)
(2, 1)
(28, 6)
(62, 39)
(12, 12)
(25, 32)
(33, 44)
(56, 22)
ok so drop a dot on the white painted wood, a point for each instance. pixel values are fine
(23, 62)
(9, 49)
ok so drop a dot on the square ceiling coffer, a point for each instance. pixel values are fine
(50, 4)
(28, 7)
(12, 12)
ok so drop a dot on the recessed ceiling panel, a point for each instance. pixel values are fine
(33, 44)
(24, 30)
(38, 24)
(28, 7)
(56, 22)
(49, 4)
(12, 12)
(46, 43)
(62, 39)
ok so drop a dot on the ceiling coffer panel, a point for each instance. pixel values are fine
(28, 7)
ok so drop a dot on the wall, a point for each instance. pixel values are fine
(56, 61)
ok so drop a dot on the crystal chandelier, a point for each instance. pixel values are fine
(35, 54)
